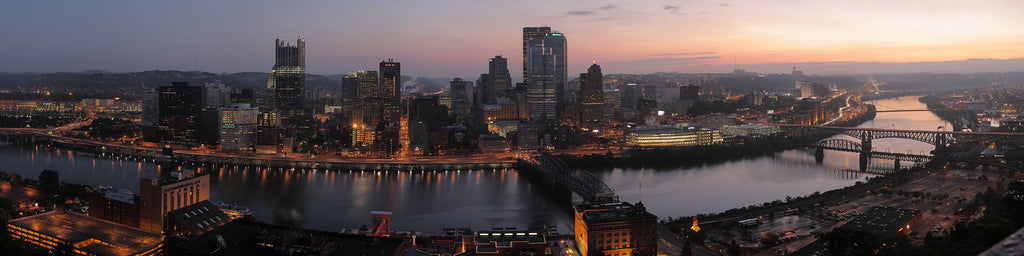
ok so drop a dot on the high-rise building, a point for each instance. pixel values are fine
(544, 72)
(591, 98)
(238, 127)
(615, 229)
(500, 81)
(612, 104)
(159, 196)
(390, 90)
(368, 86)
(180, 106)
(287, 83)
(688, 95)
(458, 91)
(484, 90)
(350, 86)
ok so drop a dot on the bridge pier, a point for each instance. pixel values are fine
(819, 155)
(865, 150)
(896, 165)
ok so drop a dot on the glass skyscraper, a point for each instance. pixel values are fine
(544, 69)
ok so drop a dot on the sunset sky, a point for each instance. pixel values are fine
(456, 37)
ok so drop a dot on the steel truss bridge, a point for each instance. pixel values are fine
(583, 183)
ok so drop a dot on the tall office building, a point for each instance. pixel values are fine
(350, 86)
(544, 72)
(500, 81)
(368, 84)
(484, 90)
(688, 95)
(287, 84)
(238, 127)
(390, 90)
(180, 106)
(591, 98)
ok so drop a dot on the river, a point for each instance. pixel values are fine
(427, 201)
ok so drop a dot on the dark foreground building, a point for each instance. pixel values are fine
(242, 237)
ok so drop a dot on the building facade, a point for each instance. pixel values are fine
(180, 105)
(390, 90)
(591, 97)
(287, 83)
(238, 127)
(615, 229)
(544, 58)
(159, 196)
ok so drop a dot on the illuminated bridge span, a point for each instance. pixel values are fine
(930, 137)
(851, 146)
(583, 183)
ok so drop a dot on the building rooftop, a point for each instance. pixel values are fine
(616, 211)
(119, 194)
(505, 238)
(198, 218)
(92, 235)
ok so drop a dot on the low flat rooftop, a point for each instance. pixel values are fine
(90, 234)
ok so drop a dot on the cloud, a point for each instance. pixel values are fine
(684, 53)
(670, 8)
(580, 13)
(609, 6)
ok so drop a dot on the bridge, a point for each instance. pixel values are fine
(941, 140)
(555, 172)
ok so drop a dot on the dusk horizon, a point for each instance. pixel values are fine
(684, 37)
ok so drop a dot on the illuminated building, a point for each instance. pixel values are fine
(238, 127)
(114, 205)
(591, 97)
(671, 136)
(287, 84)
(752, 130)
(159, 196)
(368, 87)
(180, 105)
(614, 229)
(612, 103)
(492, 144)
(390, 90)
(84, 235)
(504, 109)
(544, 72)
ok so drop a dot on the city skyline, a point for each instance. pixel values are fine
(626, 37)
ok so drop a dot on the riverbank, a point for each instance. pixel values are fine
(179, 157)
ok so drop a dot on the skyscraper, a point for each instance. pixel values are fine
(591, 100)
(368, 84)
(287, 85)
(390, 90)
(237, 127)
(180, 106)
(500, 81)
(544, 72)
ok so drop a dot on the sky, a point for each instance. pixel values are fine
(454, 38)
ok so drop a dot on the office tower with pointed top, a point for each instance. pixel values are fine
(544, 72)
(287, 84)
(591, 98)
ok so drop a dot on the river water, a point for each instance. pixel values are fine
(428, 201)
